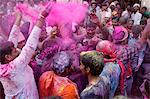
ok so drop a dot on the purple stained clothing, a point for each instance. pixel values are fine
(141, 53)
(112, 72)
(7, 23)
(43, 60)
(74, 52)
(25, 29)
(17, 77)
(97, 91)
(77, 77)
(75, 58)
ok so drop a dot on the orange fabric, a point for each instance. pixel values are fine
(69, 92)
(52, 85)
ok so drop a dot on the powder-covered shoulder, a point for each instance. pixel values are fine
(6, 69)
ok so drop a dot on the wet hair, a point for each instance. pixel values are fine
(5, 49)
(94, 60)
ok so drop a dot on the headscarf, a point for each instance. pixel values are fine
(120, 34)
(106, 47)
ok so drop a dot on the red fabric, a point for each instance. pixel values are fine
(129, 70)
(122, 76)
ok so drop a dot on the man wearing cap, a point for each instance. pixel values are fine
(136, 15)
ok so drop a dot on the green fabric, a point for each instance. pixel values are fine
(147, 14)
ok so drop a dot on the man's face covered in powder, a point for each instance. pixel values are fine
(90, 31)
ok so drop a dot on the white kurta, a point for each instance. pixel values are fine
(136, 17)
(17, 77)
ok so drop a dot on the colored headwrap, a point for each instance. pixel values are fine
(120, 34)
(61, 61)
(106, 47)
(136, 5)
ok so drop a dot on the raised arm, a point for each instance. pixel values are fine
(145, 34)
(14, 34)
(32, 42)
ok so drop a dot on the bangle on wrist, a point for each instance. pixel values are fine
(41, 16)
(41, 20)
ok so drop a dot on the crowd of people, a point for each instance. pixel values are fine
(106, 55)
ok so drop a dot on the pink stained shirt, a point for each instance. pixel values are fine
(17, 77)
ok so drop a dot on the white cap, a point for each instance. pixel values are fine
(136, 5)
(113, 4)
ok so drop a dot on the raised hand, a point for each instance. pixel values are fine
(147, 28)
(48, 8)
(43, 15)
(18, 15)
(145, 33)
